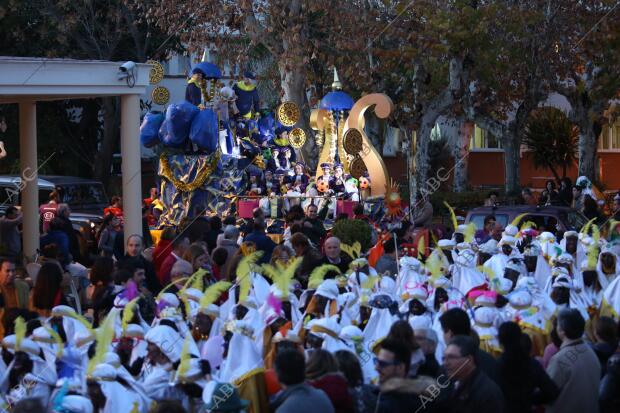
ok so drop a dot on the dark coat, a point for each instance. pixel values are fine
(530, 388)
(409, 395)
(301, 398)
(477, 394)
(74, 245)
(263, 243)
(336, 388)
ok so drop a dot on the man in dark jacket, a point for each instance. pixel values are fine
(133, 251)
(334, 256)
(474, 391)
(313, 226)
(64, 212)
(397, 393)
(297, 396)
(262, 241)
(57, 236)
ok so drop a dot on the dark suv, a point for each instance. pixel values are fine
(547, 218)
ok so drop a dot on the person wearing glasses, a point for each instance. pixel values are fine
(474, 391)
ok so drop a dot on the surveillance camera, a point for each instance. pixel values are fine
(128, 72)
(127, 67)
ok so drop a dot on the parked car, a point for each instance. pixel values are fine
(85, 197)
(555, 219)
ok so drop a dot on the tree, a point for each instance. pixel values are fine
(552, 138)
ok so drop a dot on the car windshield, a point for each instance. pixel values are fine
(82, 194)
(478, 219)
(576, 220)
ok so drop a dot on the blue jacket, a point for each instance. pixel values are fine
(62, 243)
(263, 243)
(247, 98)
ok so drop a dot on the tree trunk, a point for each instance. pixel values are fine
(588, 141)
(457, 131)
(422, 161)
(511, 161)
(110, 138)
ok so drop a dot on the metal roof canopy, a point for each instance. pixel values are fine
(39, 79)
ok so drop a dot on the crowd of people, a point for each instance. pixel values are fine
(217, 317)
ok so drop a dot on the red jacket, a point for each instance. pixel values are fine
(164, 271)
(336, 388)
(162, 250)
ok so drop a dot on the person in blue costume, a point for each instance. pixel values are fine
(193, 90)
(270, 182)
(280, 187)
(256, 186)
(281, 141)
(248, 101)
(276, 160)
(336, 183)
(299, 177)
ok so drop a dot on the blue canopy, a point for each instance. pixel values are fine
(337, 100)
(209, 70)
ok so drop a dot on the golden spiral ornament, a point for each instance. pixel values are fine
(200, 178)
(288, 113)
(352, 142)
(157, 72)
(160, 95)
(297, 138)
(357, 167)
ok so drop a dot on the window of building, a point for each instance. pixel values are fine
(610, 137)
(481, 140)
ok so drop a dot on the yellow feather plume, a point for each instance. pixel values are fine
(421, 247)
(470, 232)
(352, 251)
(358, 264)
(105, 335)
(196, 280)
(82, 320)
(434, 264)
(213, 293)
(59, 345)
(487, 271)
(128, 313)
(185, 358)
(246, 265)
(20, 332)
(318, 274)
(586, 228)
(452, 215)
(167, 287)
(515, 222)
(370, 282)
(527, 225)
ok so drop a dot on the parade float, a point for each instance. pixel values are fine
(218, 147)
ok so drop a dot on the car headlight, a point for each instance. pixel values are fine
(92, 225)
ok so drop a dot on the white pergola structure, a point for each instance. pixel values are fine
(27, 80)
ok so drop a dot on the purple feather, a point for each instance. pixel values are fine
(275, 303)
(131, 291)
(161, 305)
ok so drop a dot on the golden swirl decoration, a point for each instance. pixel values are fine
(201, 176)
(157, 72)
(297, 138)
(160, 95)
(352, 141)
(357, 167)
(288, 113)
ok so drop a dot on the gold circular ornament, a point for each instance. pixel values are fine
(297, 138)
(288, 113)
(352, 142)
(357, 167)
(157, 72)
(160, 95)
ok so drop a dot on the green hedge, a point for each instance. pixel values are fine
(350, 230)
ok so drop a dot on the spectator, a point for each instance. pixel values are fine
(58, 237)
(63, 214)
(496, 233)
(262, 241)
(147, 221)
(163, 248)
(197, 256)
(334, 256)
(349, 365)
(528, 197)
(492, 200)
(134, 249)
(297, 396)
(115, 208)
(179, 245)
(577, 198)
(522, 379)
(402, 332)
(485, 234)
(427, 338)
(552, 347)
(322, 373)
(456, 322)
(224, 398)
(15, 292)
(423, 212)
(10, 237)
(310, 257)
(396, 393)
(197, 227)
(100, 274)
(228, 241)
(575, 369)
(220, 258)
(565, 194)
(47, 291)
(609, 392)
(387, 262)
(215, 229)
(282, 255)
(313, 226)
(475, 391)
(590, 209)
(110, 228)
(606, 340)
(48, 211)
(553, 196)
